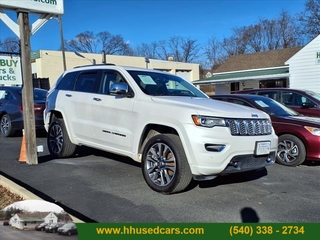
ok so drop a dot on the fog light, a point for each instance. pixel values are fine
(214, 147)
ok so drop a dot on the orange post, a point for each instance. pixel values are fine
(23, 155)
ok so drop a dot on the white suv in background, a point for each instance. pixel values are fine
(176, 131)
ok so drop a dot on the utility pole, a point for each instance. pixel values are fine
(62, 43)
(27, 89)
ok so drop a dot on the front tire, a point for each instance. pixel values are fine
(6, 126)
(58, 140)
(164, 164)
(291, 151)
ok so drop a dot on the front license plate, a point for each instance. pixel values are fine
(262, 148)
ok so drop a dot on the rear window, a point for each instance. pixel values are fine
(39, 95)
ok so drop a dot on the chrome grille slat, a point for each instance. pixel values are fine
(249, 127)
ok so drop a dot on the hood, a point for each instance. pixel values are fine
(305, 120)
(211, 107)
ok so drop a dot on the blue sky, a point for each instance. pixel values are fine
(141, 21)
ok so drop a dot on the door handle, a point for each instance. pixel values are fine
(68, 95)
(97, 99)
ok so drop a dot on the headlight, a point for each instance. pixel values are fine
(206, 121)
(313, 130)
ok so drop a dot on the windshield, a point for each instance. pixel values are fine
(162, 84)
(68, 225)
(273, 107)
(314, 94)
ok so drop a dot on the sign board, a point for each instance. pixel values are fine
(10, 70)
(318, 58)
(34, 6)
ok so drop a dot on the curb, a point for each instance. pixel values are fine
(25, 194)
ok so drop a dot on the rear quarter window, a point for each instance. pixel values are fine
(67, 82)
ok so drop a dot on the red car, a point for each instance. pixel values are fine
(299, 136)
(41, 226)
(305, 102)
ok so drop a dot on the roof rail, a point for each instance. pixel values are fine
(93, 65)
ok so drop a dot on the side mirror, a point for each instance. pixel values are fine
(119, 88)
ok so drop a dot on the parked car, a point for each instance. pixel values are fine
(305, 102)
(11, 115)
(299, 136)
(5, 223)
(41, 226)
(53, 227)
(68, 229)
(158, 119)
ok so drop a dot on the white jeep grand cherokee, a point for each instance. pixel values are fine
(176, 131)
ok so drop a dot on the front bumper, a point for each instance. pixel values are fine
(235, 154)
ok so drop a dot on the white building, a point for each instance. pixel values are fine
(304, 67)
(297, 67)
(25, 221)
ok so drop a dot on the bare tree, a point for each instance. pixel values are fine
(10, 45)
(181, 49)
(214, 54)
(84, 42)
(88, 42)
(113, 44)
(310, 18)
(163, 52)
(288, 30)
(279, 33)
(147, 50)
(235, 44)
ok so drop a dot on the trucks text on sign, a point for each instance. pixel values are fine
(10, 70)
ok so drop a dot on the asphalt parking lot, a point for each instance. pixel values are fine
(9, 233)
(96, 186)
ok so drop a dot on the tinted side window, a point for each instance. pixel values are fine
(294, 99)
(110, 77)
(67, 83)
(6, 95)
(290, 99)
(86, 82)
(269, 94)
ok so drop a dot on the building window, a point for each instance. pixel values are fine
(234, 87)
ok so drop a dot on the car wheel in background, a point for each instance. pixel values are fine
(291, 150)
(5, 126)
(58, 140)
(164, 164)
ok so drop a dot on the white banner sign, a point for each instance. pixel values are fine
(36, 6)
(10, 70)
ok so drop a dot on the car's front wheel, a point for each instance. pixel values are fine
(164, 164)
(291, 151)
(6, 126)
(58, 140)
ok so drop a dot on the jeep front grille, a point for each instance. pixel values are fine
(249, 126)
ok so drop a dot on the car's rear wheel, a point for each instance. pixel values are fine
(164, 164)
(6, 126)
(58, 140)
(291, 151)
